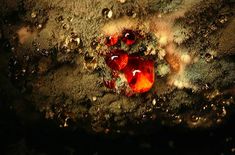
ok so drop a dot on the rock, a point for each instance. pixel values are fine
(227, 41)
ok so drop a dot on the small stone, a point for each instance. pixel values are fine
(107, 13)
(39, 26)
(94, 98)
(33, 15)
(154, 102)
(122, 1)
(24, 70)
(110, 14)
(134, 15)
(78, 40)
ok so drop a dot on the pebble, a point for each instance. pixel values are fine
(94, 98)
(154, 102)
(107, 13)
(110, 14)
(33, 15)
(233, 150)
(39, 26)
(122, 1)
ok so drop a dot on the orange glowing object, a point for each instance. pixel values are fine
(117, 59)
(112, 40)
(139, 74)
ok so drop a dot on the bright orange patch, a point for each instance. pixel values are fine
(112, 40)
(139, 74)
(117, 60)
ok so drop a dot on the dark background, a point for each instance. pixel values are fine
(44, 137)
